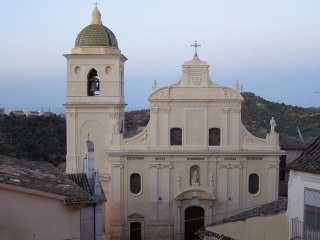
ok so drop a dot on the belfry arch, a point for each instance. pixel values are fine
(93, 83)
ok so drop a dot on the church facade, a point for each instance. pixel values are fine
(193, 164)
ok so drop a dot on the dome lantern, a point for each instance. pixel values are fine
(96, 16)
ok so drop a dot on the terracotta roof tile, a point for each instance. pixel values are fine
(309, 160)
(44, 177)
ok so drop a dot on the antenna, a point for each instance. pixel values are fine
(300, 135)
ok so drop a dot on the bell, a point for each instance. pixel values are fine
(97, 85)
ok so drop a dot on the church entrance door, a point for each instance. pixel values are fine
(194, 221)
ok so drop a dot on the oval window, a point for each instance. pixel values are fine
(254, 183)
(135, 183)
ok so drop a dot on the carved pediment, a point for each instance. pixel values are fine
(195, 194)
(135, 216)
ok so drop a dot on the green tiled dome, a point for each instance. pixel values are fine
(96, 35)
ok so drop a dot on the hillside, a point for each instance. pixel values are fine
(34, 138)
(256, 115)
(43, 138)
(257, 112)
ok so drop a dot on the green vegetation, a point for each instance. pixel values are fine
(257, 112)
(43, 138)
(34, 138)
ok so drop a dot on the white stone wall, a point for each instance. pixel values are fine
(194, 104)
(164, 180)
(298, 182)
(98, 118)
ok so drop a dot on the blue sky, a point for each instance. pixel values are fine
(271, 46)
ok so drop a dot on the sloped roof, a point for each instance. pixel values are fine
(44, 177)
(291, 143)
(268, 209)
(309, 160)
(87, 185)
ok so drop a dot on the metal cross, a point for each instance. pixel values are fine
(195, 45)
(96, 3)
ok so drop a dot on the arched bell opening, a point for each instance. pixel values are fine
(93, 86)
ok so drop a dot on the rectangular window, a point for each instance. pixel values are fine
(176, 136)
(311, 214)
(214, 137)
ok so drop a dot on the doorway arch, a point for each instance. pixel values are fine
(193, 222)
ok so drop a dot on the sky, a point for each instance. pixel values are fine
(271, 46)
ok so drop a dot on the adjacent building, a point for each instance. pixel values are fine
(304, 194)
(265, 222)
(38, 202)
(293, 148)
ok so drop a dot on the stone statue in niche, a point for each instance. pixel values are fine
(194, 176)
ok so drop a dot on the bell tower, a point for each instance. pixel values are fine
(95, 102)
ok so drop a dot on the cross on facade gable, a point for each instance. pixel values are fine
(96, 3)
(195, 45)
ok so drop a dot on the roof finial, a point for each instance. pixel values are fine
(96, 15)
(154, 86)
(238, 86)
(195, 45)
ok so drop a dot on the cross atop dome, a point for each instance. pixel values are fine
(196, 45)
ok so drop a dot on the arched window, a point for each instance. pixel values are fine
(135, 183)
(195, 175)
(135, 231)
(214, 136)
(175, 136)
(254, 183)
(93, 87)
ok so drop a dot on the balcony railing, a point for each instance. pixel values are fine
(303, 231)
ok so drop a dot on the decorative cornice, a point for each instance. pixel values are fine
(202, 153)
(118, 165)
(160, 165)
(230, 165)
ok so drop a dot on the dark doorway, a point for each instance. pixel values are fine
(194, 221)
(135, 231)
